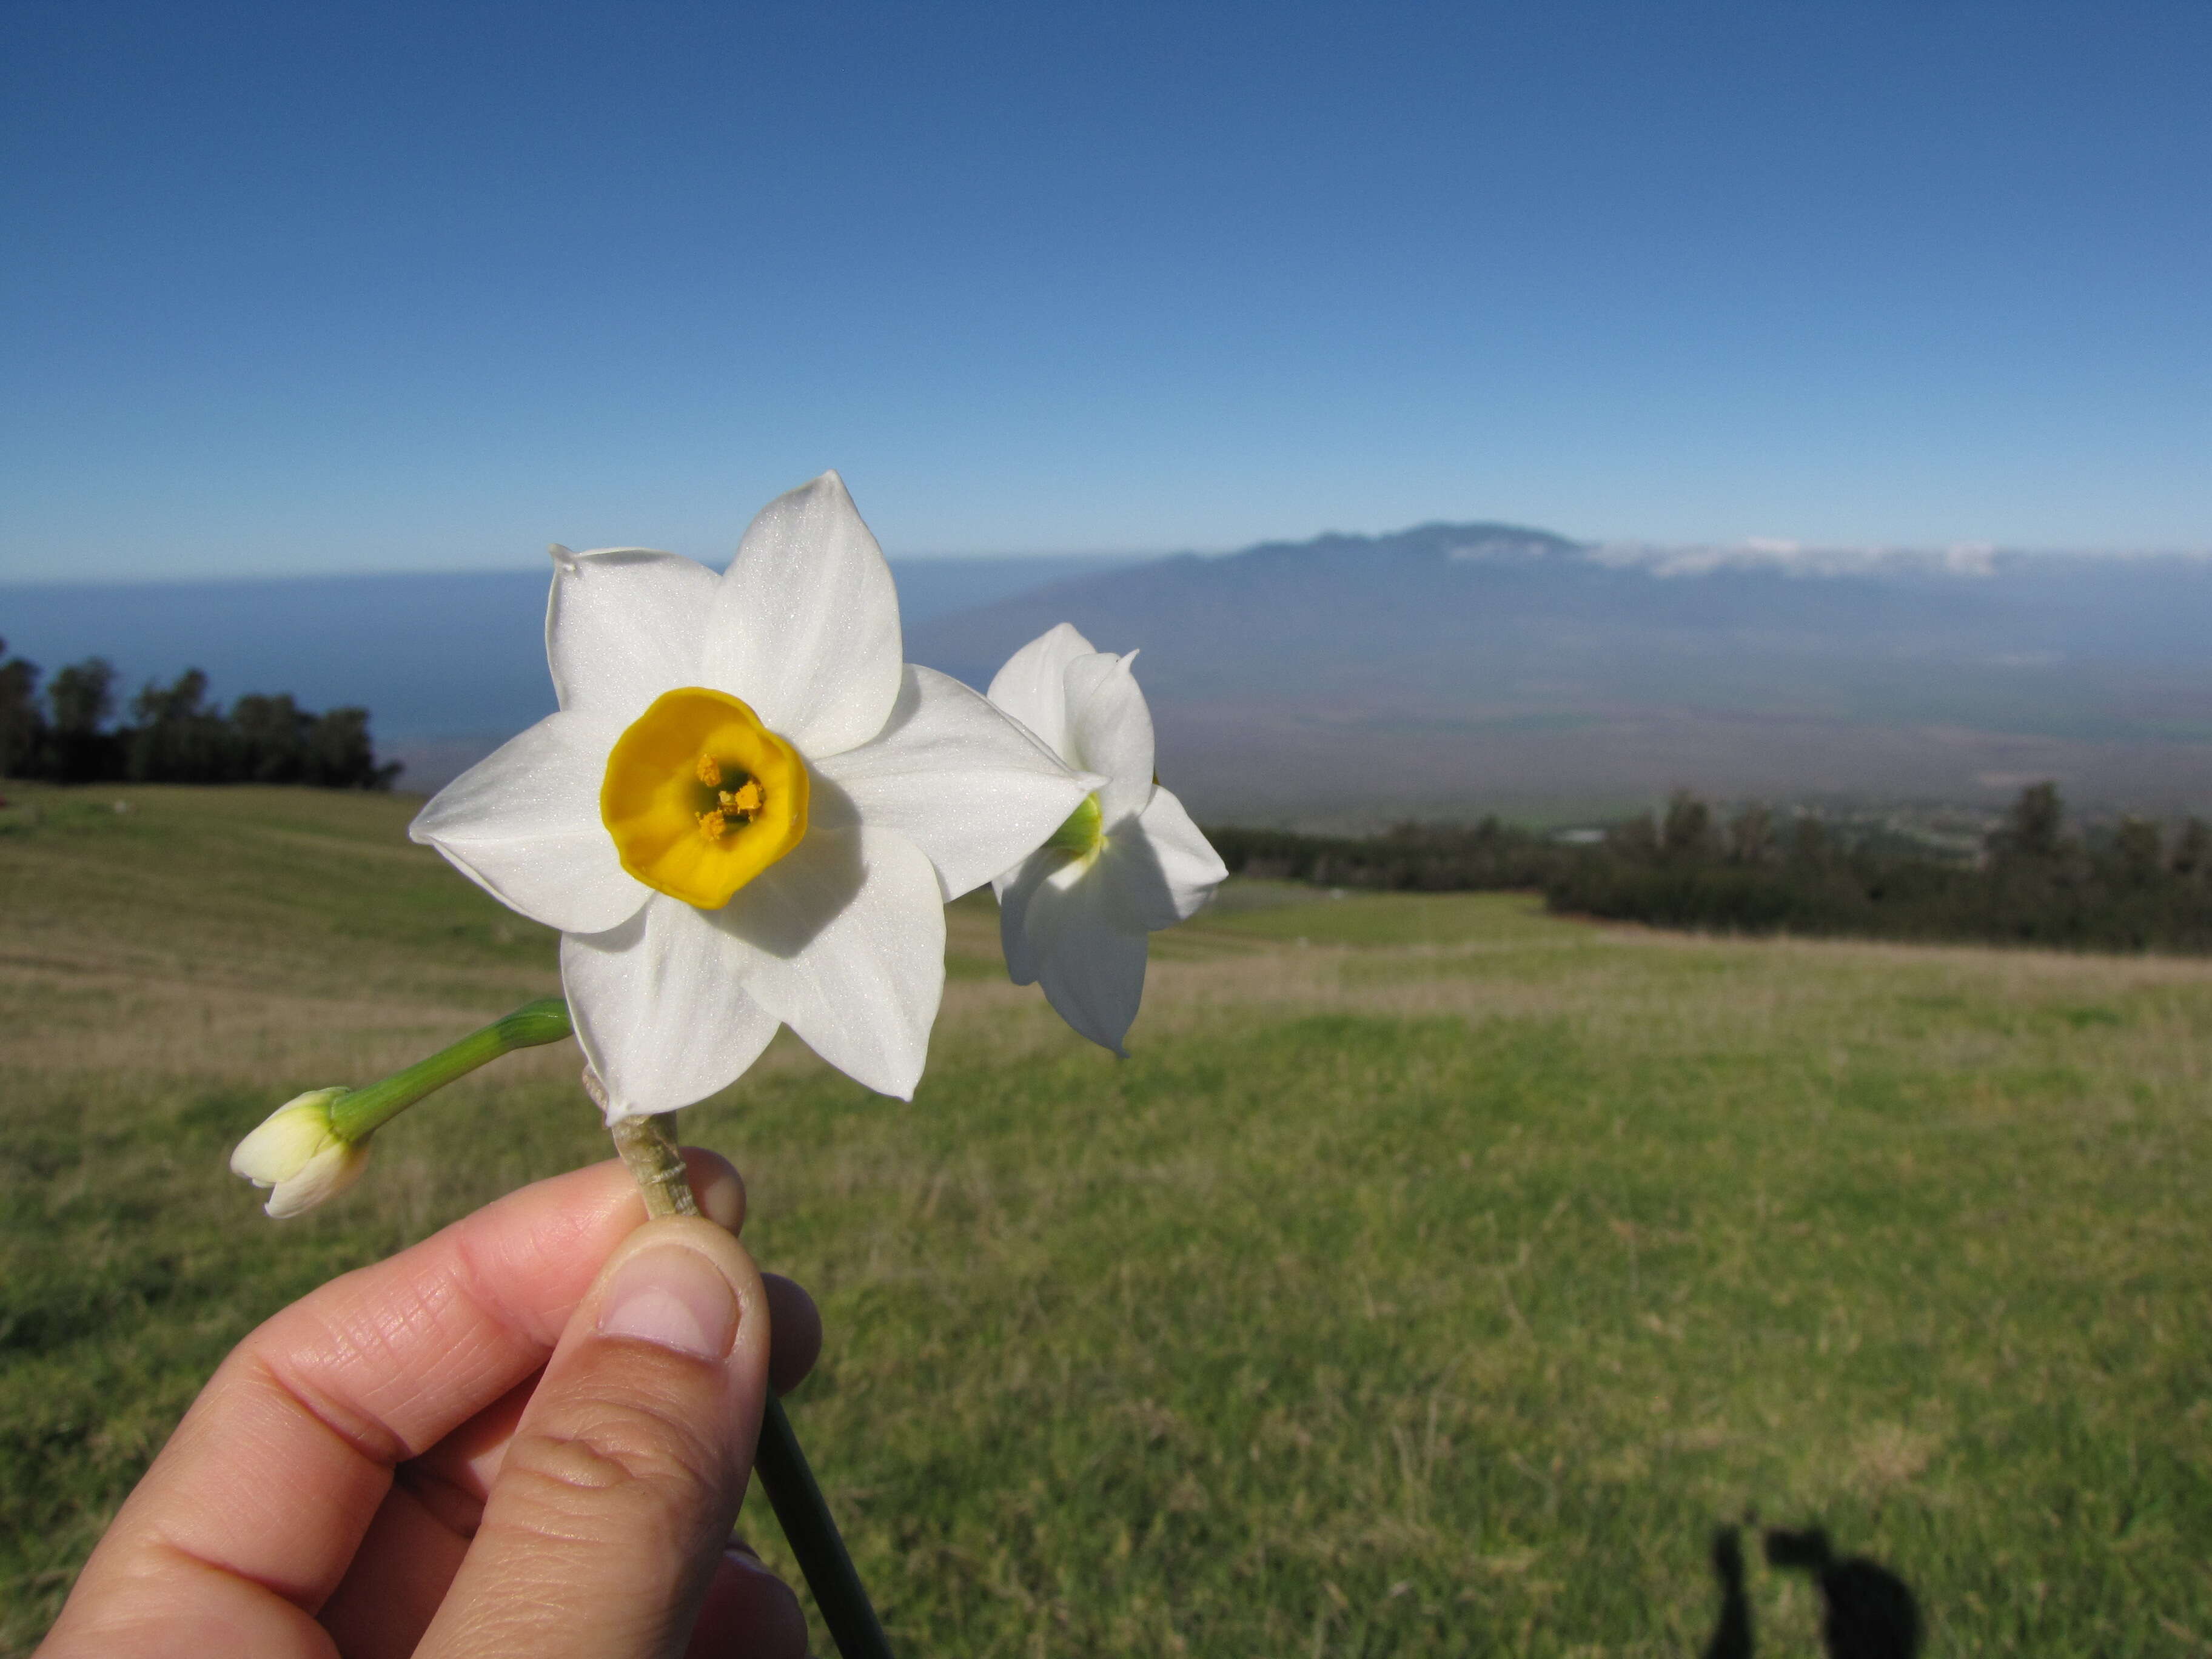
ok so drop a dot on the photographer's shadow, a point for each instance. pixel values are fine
(1867, 1612)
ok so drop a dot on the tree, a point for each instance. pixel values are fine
(338, 755)
(1686, 832)
(23, 727)
(1635, 840)
(1810, 842)
(2139, 849)
(270, 738)
(80, 698)
(178, 738)
(2033, 828)
(1751, 836)
(2192, 850)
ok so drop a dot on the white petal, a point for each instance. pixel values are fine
(806, 625)
(843, 941)
(1033, 685)
(1183, 866)
(660, 1008)
(326, 1175)
(1089, 958)
(283, 1143)
(523, 824)
(963, 782)
(1110, 731)
(624, 625)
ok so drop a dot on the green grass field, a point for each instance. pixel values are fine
(1433, 1279)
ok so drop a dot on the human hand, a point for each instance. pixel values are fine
(529, 1434)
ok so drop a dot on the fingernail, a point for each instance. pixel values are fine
(673, 1297)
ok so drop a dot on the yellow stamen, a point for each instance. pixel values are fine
(676, 827)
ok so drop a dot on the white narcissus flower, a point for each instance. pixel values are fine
(750, 810)
(1074, 914)
(300, 1156)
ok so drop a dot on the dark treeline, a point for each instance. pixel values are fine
(175, 734)
(2133, 885)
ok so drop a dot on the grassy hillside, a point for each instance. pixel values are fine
(1433, 1279)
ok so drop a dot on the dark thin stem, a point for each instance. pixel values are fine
(803, 1515)
(657, 1164)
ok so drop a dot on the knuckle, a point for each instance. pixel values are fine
(612, 1469)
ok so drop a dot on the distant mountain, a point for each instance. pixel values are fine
(1443, 670)
(1456, 666)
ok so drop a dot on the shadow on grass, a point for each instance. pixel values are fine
(1732, 1636)
(1867, 1612)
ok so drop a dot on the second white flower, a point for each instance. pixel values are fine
(1075, 914)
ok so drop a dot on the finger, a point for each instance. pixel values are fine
(455, 1475)
(749, 1611)
(418, 1540)
(421, 1531)
(615, 1497)
(453, 1478)
(382, 1614)
(247, 1521)
(798, 1326)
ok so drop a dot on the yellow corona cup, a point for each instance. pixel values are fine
(700, 797)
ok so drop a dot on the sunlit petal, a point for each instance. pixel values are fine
(661, 1009)
(523, 824)
(805, 626)
(969, 787)
(844, 942)
(1110, 732)
(1033, 685)
(624, 625)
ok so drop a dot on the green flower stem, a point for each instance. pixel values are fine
(657, 1165)
(803, 1515)
(356, 1116)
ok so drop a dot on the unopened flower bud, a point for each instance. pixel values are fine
(298, 1154)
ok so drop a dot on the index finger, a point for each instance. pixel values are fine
(249, 1517)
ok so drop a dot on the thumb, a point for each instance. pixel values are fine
(621, 1484)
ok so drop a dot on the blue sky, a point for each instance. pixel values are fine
(351, 287)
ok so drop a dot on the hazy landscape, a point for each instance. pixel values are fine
(1442, 671)
(1435, 1277)
(1456, 668)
